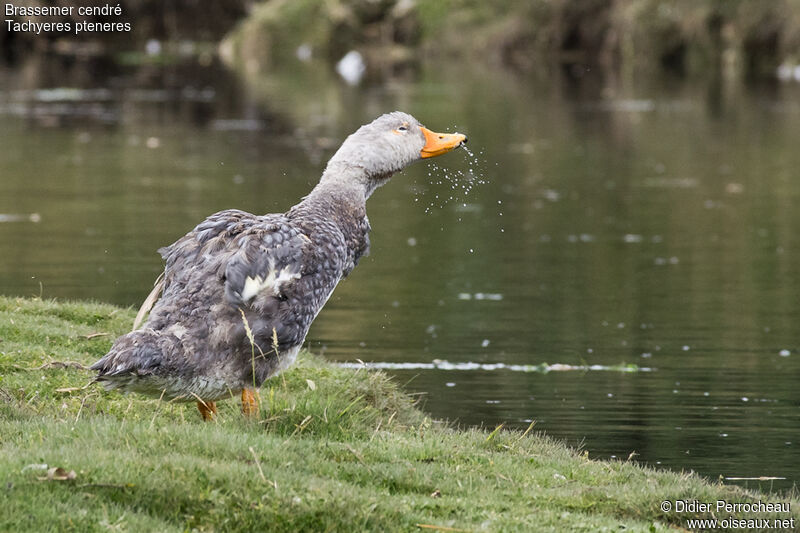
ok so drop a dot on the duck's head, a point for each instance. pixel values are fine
(388, 144)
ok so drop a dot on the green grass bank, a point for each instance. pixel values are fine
(331, 450)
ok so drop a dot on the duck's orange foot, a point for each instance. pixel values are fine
(250, 401)
(207, 409)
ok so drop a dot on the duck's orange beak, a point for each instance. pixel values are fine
(440, 143)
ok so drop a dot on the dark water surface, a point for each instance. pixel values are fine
(653, 225)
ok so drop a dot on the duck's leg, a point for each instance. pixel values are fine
(250, 402)
(207, 409)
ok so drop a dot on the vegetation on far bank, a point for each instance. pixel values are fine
(332, 449)
(748, 38)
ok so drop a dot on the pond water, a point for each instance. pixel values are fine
(594, 227)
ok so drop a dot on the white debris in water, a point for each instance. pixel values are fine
(685, 348)
(784, 353)
(33, 217)
(664, 260)
(152, 47)
(412, 241)
(745, 399)
(351, 67)
(551, 195)
(734, 188)
(480, 296)
(450, 384)
(625, 105)
(304, 52)
(153, 142)
(632, 238)
(485, 343)
(441, 364)
(787, 72)
(671, 183)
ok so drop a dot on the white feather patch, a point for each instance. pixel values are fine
(177, 329)
(272, 282)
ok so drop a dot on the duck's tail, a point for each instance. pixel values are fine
(137, 355)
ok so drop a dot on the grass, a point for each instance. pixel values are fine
(332, 450)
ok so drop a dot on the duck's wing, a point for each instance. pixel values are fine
(280, 277)
(249, 262)
(236, 280)
(187, 258)
(206, 243)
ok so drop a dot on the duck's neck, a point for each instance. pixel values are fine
(341, 178)
(340, 198)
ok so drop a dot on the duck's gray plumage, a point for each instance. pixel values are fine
(271, 273)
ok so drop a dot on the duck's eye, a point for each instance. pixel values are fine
(402, 128)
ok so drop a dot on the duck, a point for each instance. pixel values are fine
(239, 292)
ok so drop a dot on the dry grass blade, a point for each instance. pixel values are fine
(356, 454)
(494, 433)
(158, 405)
(72, 389)
(258, 464)
(525, 433)
(91, 336)
(441, 528)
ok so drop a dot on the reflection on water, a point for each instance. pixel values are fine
(652, 226)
